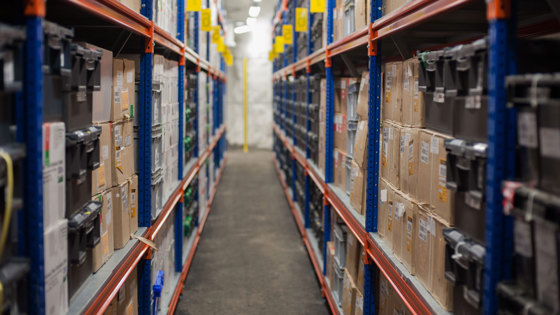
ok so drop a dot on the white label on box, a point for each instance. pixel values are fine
(390, 133)
(439, 97)
(400, 210)
(104, 152)
(523, 238)
(442, 170)
(362, 125)
(129, 77)
(550, 142)
(527, 129)
(388, 81)
(119, 78)
(423, 230)
(109, 211)
(127, 141)
(432, 225)
(435, 145)
(383, 195)
(117, 96)
(402, 144)
(9, 71)
(424, 152)
(416, 88)
(407, 138)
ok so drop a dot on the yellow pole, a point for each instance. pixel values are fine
(245, 147)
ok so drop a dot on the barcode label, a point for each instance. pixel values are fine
(424, 152)
(422, 230)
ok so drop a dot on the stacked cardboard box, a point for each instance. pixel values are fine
(359, 159)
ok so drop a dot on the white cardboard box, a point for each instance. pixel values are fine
(56, 268)
(54, 173)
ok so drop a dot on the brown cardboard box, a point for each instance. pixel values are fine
(392, 5)
(390, 146)
(359, 306)
(112, 309)
(122, 155)
(348, 293)
(360, 14)
(430, 268)
(127, 297)
(388, 204)
(363, 97)
(105, 248)
(398, 304)
(360, 145)
(101, 177)
(360, 277)
(412, 99)
(408, 161)
(357, 188)
(385, 294)
(121, 218)
(340, 131)
(432, 170)
(404, 220)
(352, 255)
(133, 204)
(330, 262)
(101, 100)
(132, 4)
(399, 216)
(123, 89)
(392, 102)
(339, 171)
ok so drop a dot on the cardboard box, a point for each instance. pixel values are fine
(390, 146)
(101, 100)
(432, 170)
(398, 304)
(359, 305)
(404, 220)
(340, 132)
(412, 100)
(339, 168)
(387, 208)
(132, 4)
(392, 5)
(408, 161)
(363, 97)
(360, 14)
(361, 266)
(127, 297)
(54, 173)
(123, 89)
(104, 250)
(392, 101)
(357, 188)
(133, 204)
(348, 293)
(121, 221)
(360, 145)
(101, 177)
(430, 268)
(385, 293)
(352, 255)
(330, 262)
(56, 268)
(122, 154)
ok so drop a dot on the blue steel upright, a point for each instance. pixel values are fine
(497, 264)
(307, 122)
(329, 134)
(33, 171)
(181, 77)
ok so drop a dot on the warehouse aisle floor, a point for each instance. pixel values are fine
(251, 259)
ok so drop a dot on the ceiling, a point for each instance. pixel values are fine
(238, 10)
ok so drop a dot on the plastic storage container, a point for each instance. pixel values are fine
(82, 151)
(56, 53)
(439, 113)
(83, 235)
(338, 279)
(157, 194)
(157, 142)
(513, 300)
(340, 232)
(349, 22)
(77, 109)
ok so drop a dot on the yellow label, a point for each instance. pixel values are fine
(301, 20)
(228, 57)
(442, 189)
(221, 46)
(194, 5)
(101, 176)
(279, 44)
(206, 20)
(288, 33)
(317, 6)
(215, 34)
(271, 55)
(124, 100)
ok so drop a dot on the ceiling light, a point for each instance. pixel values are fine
(242, 29)
(251, 21)
(254, 11)
(257, 0)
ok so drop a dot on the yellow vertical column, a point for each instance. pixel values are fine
(245, 146)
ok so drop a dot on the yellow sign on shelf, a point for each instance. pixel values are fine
(221, 45)
(301, 20)
(228, 57)
(317, 6)
(194, 5)
(271, 55)
(288, 33)
(215, 34)
(279, 44)
(206, 20)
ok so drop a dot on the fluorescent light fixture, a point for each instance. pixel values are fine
(254, 11)
(257, 0)
(251, 21)
(242, 29)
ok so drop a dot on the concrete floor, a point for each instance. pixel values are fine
(251, 259)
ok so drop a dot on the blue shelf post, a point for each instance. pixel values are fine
(197, 107)
(32, 136)
(497, 264)
(329, 144)
(307, 122)
(145, 160)
(374, 122)
(181, 96)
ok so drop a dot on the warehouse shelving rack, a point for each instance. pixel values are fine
(447, 22)
(101, 288)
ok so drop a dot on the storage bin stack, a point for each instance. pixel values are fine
(12, 155)
(313, 117)
(318, 31)
(534, 200)
(301, 37)
(277, 103)
(316, 214)
(289, 107)
(300, 187)
(345, 268)
(163, 262)
(300, 107)
(190, 113)
(190, 211)
(165, 15)
(290, 19)
(349, 16)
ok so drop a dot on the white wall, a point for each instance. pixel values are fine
(254, 46)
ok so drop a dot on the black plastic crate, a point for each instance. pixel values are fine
(536, 98)
(439, 113)
(53, 98)
(82, 151)
(77, 81)
(14, 277)
(514, 300)
(83, 235)
(464, 266)
(57, 57)
(470, 118)
(431, 64)
(11, 58)
(92, 63)
(317, 31)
